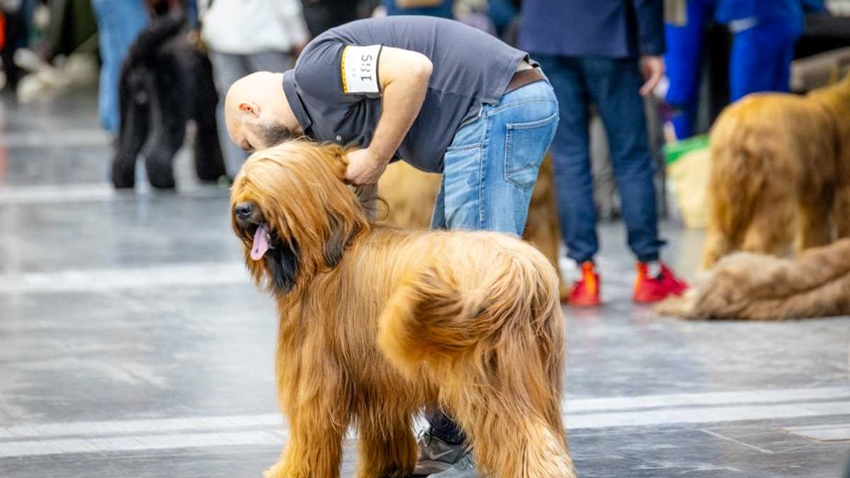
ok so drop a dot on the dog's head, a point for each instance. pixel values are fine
(293, 213)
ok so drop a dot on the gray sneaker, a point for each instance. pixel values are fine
(435, 455)
(463, 468)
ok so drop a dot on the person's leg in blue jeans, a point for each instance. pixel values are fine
(571, 158)
(489, 173)
(614, 86)
(119, 23)
(491, 165)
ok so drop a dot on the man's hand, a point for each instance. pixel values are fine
(364, 167)
(652, 69)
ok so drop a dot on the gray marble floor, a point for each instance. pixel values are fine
(133, 344)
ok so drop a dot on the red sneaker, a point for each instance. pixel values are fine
(655, 289)
(585, 291)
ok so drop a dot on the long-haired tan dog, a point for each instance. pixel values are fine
(410, 193)
(377, 322)
(751, 286)
(780, 164)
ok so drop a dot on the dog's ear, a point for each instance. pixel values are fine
(335, 244)
(282, 263)
(367, 194)
(342, 230)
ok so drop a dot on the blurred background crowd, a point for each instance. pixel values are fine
(716, 52)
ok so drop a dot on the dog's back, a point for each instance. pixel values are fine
(773, 156)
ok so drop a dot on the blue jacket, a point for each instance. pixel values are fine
(765, 11)
(606, 28)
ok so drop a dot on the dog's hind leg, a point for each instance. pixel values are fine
(772, 228)
(168, 130)
(716, 246)
(386, 445)
(815, 221)
(135, 118)
(516, 432)
(841, 212)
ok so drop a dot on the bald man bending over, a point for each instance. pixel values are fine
(445, 97)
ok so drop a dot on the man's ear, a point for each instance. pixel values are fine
(249, 108)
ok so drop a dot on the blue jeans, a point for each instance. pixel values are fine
(761, 58)
(119, 23)
(490, 168)
(612, 85)
(684, 62)
(489, 171)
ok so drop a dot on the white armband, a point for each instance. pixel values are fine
(359, 67)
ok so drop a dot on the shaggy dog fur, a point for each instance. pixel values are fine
(780, 160)
(751, 286)
(377, 322)
(165, 82)
(410, 193)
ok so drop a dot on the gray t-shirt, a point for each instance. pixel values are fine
(335, 94)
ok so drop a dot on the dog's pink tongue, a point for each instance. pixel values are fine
(261, 243)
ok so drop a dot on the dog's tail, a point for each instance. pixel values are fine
(755, 287)
(429, 319)
(496, 353)
(149, 40)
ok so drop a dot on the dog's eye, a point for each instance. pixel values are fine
(247, 147)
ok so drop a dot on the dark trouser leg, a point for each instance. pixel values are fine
(614, 86)
(571, 158)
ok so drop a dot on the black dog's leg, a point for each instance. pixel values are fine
(168, 129)
(135, 117)
(209, 159)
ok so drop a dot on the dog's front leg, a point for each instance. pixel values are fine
(314, 449)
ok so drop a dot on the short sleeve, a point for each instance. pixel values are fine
(335, 71)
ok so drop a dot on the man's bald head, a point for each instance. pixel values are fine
(256, 112)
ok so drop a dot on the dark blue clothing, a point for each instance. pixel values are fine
(612, 85)
(444, 10)
(590, 55)
(606, 28)
(765, 11)
(762, 51)
(761, 59)
(684, 61)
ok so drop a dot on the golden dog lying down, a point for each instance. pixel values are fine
(378, 322)
(757, 287)
(410, 193)
(780, 164)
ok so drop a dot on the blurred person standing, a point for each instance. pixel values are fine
(764, 33)
(119, 23)
(609, 55)
(683, 60)
(245, 36)
(13, 33)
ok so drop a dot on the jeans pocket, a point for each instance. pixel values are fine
(525, 146)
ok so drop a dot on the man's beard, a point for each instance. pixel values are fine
(272, 134)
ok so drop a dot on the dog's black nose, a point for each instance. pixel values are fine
(244, 210)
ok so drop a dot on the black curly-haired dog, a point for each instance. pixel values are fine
(165, 82)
